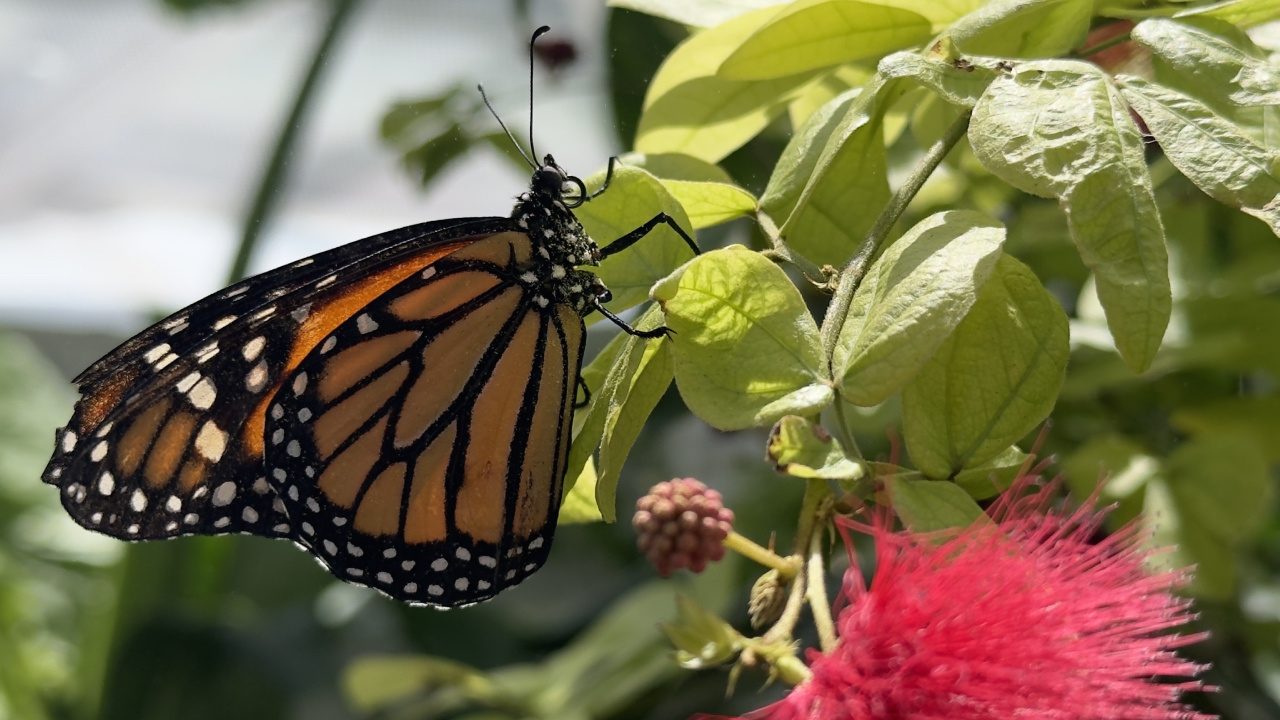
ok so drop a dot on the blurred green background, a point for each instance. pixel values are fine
(144, 145)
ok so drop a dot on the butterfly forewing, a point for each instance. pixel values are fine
(168, 436)
(420, 446)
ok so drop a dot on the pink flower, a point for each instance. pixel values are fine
(1025, 617)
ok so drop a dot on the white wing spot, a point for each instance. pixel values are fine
(96, 518)
(138, 501)
(339, 521)
(250, 515)
(384, 577)
(301, 313)
(306, 528)
(482, 584)
(106, 428)
(304, 263)
(529, 278)
(428, 273)
(224, 494)
(222, 522)
(293, 493)
(206, 353)
(171, 526)
(173, 504)
(264, 313)
(487, 561)
(511, 574)
(253, 348)
(535, 544)
(408, 565)
(411, 588)
(211, 442)
(106, 483)
(366, 324)
(281, 528)
(277, 411)
(463, 554)
(99, 451)
(133, 529)
(190, 518)
(389, 553)
(461, 584)
(68, 441)
(200, 492)
(355, 572)
(326, 281)
(557, 272)
(176, 325)
(304, 415)
(203, 394)
(188, 382)
(439, 564)
(279, 474)
(299, 386)
(223, 322)
(355, 551)
(330, 547)
(277, 437)
(236, 291)
(256, 380)
(261, 487)
(435, 590)
(293, 449)
(312, 505)
(330, 343)
(156, 353)
(166, 361)
(531, 567)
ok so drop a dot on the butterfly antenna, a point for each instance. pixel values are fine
(504, 128)
(536, 34)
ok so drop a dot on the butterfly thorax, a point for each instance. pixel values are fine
(561, 245)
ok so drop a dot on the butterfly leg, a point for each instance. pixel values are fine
(634, 236)
(657, 332)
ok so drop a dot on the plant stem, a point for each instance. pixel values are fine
(787, 567)
(782, 252)
(853, 272)
(275, 174)
(817, 592)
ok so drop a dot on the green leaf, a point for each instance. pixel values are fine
(1187, 545)
(1254, 418)
(1221, 483)
(579, 505)
(703, 14)
(1023, 28)
(1241, 13)
(711, 203)
(629, 408)
(813, 34)
(992, 477)
(960, 86)
(746, 349)
(1124, 465)
(912, 298)
(929, 505)
(831, 182)
(689, 109)
(939, 12)
(1212, 60)
(677, 166)
(431, 157)
(1060, 129)
(404, 117)
(994, 379)
(701, 638)
(803, 449)
(634, 197)
(824, 89)
(374, 682)
(1213, 153)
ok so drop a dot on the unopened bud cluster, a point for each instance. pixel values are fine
(682, 524)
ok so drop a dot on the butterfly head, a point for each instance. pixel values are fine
(550, 181)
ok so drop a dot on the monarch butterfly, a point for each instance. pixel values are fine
(400, 407)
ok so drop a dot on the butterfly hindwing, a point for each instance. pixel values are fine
(167, 437)
(420, 447)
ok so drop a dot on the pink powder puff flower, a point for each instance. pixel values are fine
(1024, 617)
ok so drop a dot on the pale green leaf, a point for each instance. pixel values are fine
(688, 109)
(994, 379)
(814, 34)
(746, 348)
(1023, 28)
(939, 12)
(633, 198)
(803, 449)
(1121, 466)
(374, 682)
(711, 203)
(579, 505)
(821, 90)
(1186, 545)
(703, 13)
(629, 408)
(1213, 153)
(912, 297)
(994, 476)
(677, 166)
(1242, 13)
(956, 85)
(1221, 483)
(1060, 129)
(1212, 60)
(1255, 418)
(928, 505)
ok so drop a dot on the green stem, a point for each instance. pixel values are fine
(853, 272)
(275, 174)
(787, 567)
(780, 251)
(817, 592)
(1104, 45)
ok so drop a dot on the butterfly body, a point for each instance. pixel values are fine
(400, 407)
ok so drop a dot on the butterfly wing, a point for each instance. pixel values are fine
(167, 437)
(421, 446)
